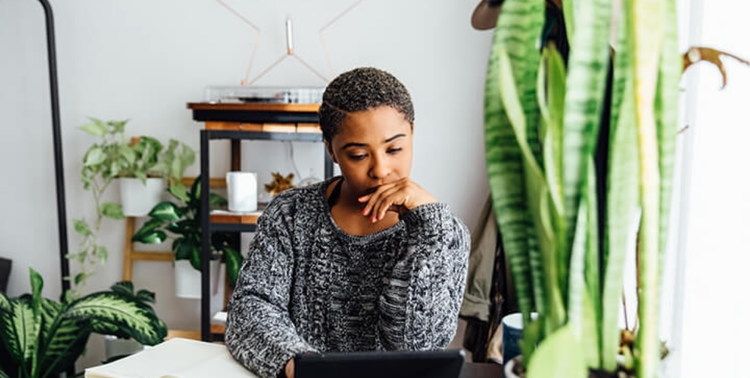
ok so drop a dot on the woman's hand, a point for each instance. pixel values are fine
(289, 369)
(399, 196)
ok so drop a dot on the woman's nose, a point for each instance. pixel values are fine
(380, 168)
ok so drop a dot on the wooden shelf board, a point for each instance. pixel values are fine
(235, 219)
(300, 108)
(151, 256)
(214, 182)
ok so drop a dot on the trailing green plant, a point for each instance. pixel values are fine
(542, 130)
(102, 163)
(184, 223)
(43, 338)
(112, 157)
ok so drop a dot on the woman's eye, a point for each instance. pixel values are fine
(357, 157)
(394, 150)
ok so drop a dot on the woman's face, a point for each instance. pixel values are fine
(372, 148)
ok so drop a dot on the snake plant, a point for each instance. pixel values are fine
(43, 338)
(543, 117)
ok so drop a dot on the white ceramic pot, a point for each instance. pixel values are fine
(115, 346)
(138, 199)
(187, 280)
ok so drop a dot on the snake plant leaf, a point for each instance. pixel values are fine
(581, 315)
(504, 169)
(568, 8)
(114, 309)
(587, 67)
(622, 217)
(553, 150)
(666, 111)
(648, 36)
(112, 210)
(535, 185)
(233, 261)
(518, 30)
(558, 356)
(165, 211)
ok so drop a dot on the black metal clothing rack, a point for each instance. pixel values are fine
(57, 144)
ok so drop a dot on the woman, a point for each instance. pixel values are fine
(365, 261)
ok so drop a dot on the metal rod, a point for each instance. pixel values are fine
(57, 144)
(205, 238)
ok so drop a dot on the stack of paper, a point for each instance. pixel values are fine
(175, 358)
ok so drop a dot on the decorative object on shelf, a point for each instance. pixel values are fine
(42, 338)
(242, 191)
(184, 222)
(280, 183)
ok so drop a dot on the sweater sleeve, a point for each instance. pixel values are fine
(260, 333)
(420, 301)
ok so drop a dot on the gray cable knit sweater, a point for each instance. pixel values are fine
(306, 285)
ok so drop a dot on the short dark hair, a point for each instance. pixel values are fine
(361, 89)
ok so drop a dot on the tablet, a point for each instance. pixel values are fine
(391, 364)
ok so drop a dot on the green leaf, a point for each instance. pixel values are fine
(233, 262)
(18, 332)
(93, 157)
(558, 356)
(3, 374)
(146, 296)
(118, 127)
(112, 210)
(127, 153)
(165, 211)
(123, 288)
(215, 200)
(150, 237)
(102, 254)
(179, 191)
(82, 227)
(127, 315)
(96, 128)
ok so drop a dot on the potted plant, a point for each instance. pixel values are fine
(43, 338)
(111, 158)
(566, 225)
(184, 223)
(143, 181)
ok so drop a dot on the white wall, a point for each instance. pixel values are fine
(715, 325)
(144, 60)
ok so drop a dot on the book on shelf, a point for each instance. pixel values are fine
(175, 358)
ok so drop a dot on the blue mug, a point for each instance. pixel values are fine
(512, 335)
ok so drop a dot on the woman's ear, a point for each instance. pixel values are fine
(329, 148)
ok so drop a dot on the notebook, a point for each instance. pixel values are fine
(414, 364)
(175, 358)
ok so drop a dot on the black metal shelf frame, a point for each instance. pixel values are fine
(207, 227)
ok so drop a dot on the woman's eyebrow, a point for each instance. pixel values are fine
(355, 144)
